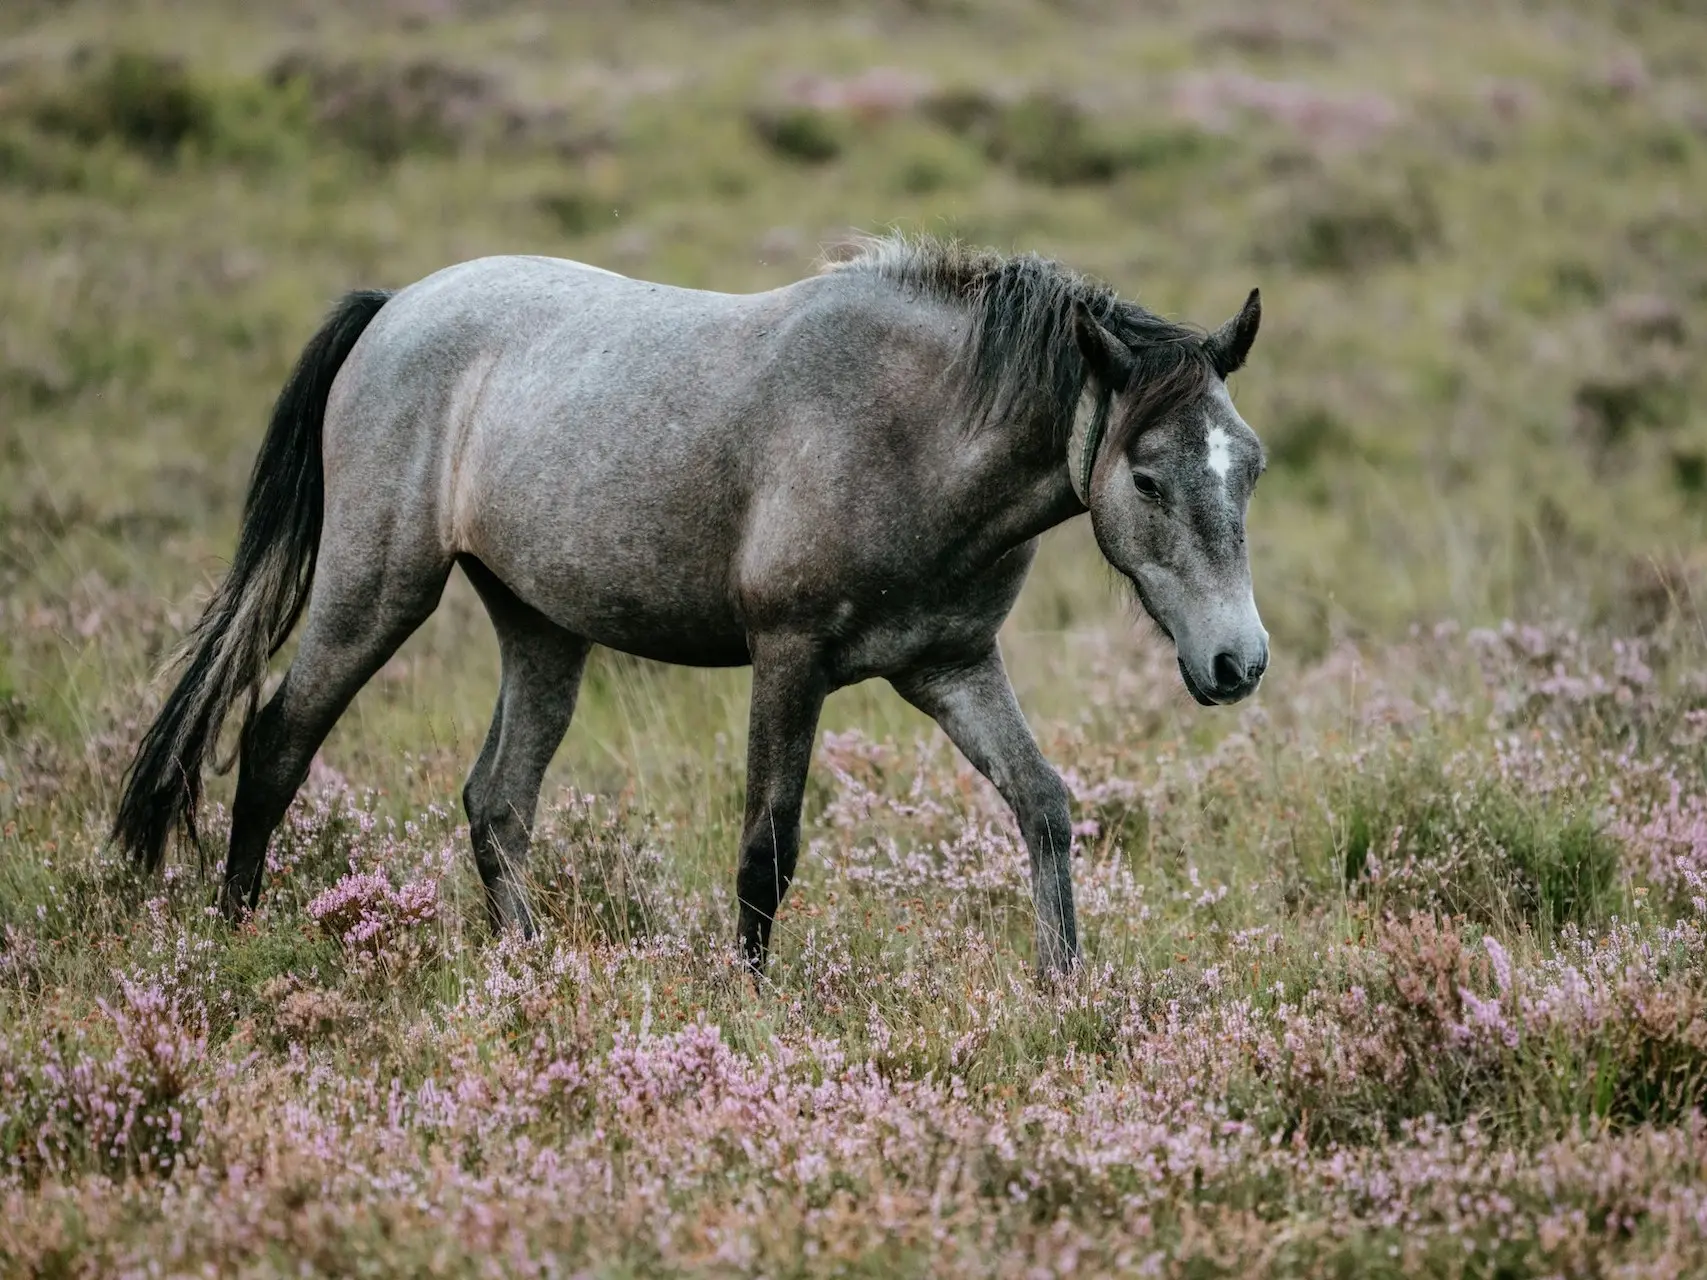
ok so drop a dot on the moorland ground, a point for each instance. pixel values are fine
(1398, 969)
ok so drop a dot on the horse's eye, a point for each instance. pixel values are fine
(1147, 487)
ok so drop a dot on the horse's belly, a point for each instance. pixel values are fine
(637, 607)
(685, 646)
(623, 550)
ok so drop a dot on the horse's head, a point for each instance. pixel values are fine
(1167, 494)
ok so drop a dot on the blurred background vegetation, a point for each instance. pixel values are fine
(1478, 227)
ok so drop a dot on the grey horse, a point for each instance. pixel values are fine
(838, 479)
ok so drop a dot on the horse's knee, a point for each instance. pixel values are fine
(760, 883)
(1033, 789)
(1055, 799)
(1049, 792)
(762, 879)
(772, 836)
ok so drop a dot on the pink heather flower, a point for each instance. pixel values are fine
(365, 914)
(1501, 961)
(1484, 1020)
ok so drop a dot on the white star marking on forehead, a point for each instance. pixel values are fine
(1220, 455)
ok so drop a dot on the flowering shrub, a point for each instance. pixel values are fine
(1424, 995)
(377, 924)
(71, 1103)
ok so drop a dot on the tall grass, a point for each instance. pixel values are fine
(1397, 971)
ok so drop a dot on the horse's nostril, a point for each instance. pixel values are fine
(1229, 671)
(1253, 673)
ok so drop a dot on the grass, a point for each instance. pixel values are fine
(1399, 970)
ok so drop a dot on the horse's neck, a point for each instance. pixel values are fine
(1020, 483)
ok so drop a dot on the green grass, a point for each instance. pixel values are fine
(1484, 268)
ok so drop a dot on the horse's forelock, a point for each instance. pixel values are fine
(1167, 378)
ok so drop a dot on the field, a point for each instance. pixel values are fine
(1398, 969)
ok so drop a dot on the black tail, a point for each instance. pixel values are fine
(255, 607)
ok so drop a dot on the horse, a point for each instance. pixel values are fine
(839, 479)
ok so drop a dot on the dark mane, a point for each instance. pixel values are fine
(1020, 357)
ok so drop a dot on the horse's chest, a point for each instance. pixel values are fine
(887, 589)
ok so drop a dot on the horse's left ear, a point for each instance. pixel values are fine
(1231, 343)
(1106, 356)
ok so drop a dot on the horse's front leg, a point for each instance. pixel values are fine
(789, 687)
(975, 705)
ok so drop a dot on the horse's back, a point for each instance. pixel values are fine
(587, 436)
(659, 469)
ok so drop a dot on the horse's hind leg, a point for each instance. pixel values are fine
(542, 665)
(358, 615)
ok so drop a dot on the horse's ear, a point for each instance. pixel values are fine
(1106, 355)
(1231, 343)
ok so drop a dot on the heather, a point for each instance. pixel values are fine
(1461, 1045)
(1398, 969)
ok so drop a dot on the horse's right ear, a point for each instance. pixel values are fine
(1106, 356)
(1231, 343)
